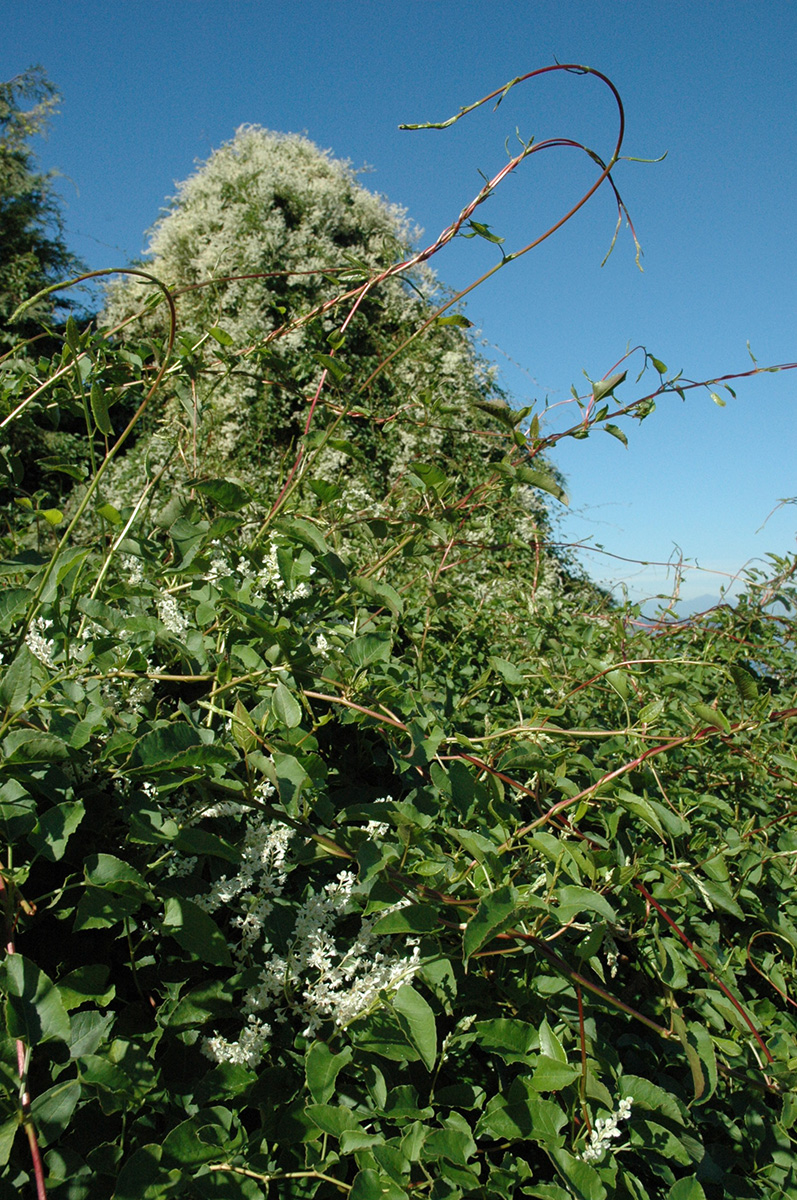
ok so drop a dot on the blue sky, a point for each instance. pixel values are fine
(151, 87)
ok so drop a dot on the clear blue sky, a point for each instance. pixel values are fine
(150, 87)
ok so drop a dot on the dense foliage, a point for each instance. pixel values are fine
(33, 250)
(325, 876)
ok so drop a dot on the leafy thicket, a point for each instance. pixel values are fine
(351, 845)
(33, 250)
(33, 254)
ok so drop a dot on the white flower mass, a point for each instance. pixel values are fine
(327, 974)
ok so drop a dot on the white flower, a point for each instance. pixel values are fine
(38, 644)
(134, 568)
(170, 614)
(219, 567)
(248, 1050)
(604, 1131)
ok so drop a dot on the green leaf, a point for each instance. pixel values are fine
(511, 1038)
(8, 1131)
(528, 1118)
(15, 683)
(196, 931)
(687, 1188)
(711, 716)
(291, 777)
(383, 593)
(108, 871)
(143, 1178)
(616, 432)
(550, 1045)
(494, 914)
(482, 231)
(220, 335)
(191, 840)
(199, 1139)
(336, 368)
(414, 918)
(583, 1178)
(303, 531)
(285, 707)
(416, 1018)
(643, 810)
(745, 684)
(371, 1185)
(53, 516)
(52, 1111)
(605, 387)
(454, 319)
(369, 648)
(720, 897)
(650, 1096)
(89, 1029)
(550, 1075)
(109, 513)
(55, 827)
(322, 1068)
(12, 601)
(34, 1010)
(718, 400)
(174, 746)
(658, 364)
(99, 410)
(619, 681)
(651, 711)
(511, 676)
(333, 1119)
(542, 480)
(86, 983)
(30, 746)
(573, 899)
(72, 334)
(243, 728)
(229, 496)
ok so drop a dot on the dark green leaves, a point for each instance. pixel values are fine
(34, 1010)
(99, 409)
(417, 1020)
(495, 913)
(195, 931)
(15, 682)
(286, 707)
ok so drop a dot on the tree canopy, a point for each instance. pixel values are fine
(33, 248)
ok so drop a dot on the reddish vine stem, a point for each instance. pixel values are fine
(707, 967)
(23, 1061)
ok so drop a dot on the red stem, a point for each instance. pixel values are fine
(654, 904)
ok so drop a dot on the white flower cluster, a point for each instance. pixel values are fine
(169, 613)
(134, 568)
(248, 1050)
(38, 644)
(320, 978)
(219, 566)
(269, 579)
(604, 1131)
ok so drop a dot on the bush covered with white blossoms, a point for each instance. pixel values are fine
(352, 844)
